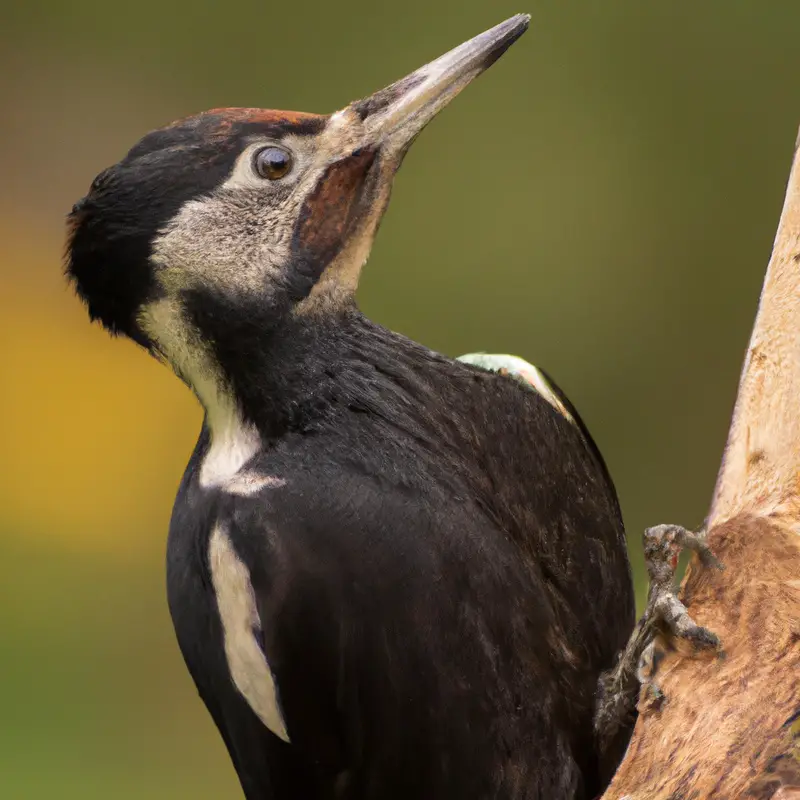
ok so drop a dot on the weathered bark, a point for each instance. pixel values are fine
(729, 725)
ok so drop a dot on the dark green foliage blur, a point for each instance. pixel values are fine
(602, 202)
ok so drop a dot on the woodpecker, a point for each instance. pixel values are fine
(391, 574)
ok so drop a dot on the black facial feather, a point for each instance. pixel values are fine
(111, 230)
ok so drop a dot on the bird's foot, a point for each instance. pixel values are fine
(665, 613)
(666, 623)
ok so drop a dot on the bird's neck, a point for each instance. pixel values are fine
(259, 375)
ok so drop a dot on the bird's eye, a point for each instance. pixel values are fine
(273, 163)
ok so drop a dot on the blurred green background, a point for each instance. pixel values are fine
(602, 202)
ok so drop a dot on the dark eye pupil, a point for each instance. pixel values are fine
(273, 163)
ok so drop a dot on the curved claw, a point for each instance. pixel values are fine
(665, 618)
(672, 539)
(672, 617)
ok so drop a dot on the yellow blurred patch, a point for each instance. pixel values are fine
(94, 434)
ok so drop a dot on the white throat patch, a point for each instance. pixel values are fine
(233, 444)
(231, 448)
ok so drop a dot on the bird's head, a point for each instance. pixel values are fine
(272, 207)
(237, 214)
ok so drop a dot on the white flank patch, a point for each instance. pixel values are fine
(236, 602)
(248, 483)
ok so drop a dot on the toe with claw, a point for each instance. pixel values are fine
(666, 620)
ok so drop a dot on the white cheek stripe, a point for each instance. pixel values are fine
(236, 601)
(233, 441)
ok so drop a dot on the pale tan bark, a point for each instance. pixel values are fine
(729, 726)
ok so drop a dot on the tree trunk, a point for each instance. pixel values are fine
(728, 725)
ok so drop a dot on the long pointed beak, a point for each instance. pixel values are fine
(364, 144)
(393, 116)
